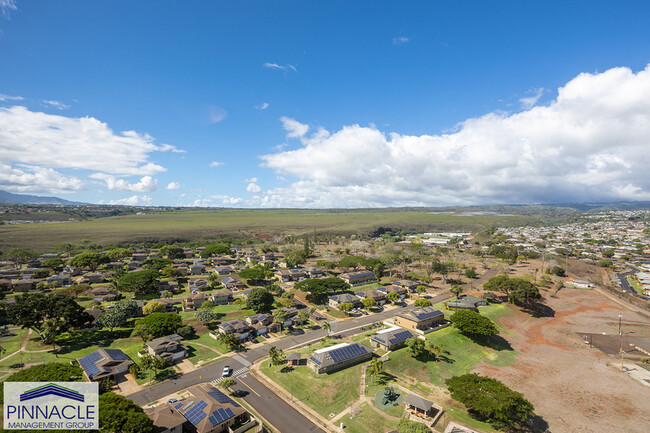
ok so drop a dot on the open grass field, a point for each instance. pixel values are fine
(207, 225)
(368, 421)
(325, 393)
(461, 354)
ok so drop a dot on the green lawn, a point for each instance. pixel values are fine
(634, 282)
(325, 393)
(12, 343)
(368, 421)
(464, 354)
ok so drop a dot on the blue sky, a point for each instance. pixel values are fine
(325, 103)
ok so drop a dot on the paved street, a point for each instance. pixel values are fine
(263, 400)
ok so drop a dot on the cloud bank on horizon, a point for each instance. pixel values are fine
(590, 144)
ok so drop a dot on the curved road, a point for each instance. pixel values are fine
(276, 411)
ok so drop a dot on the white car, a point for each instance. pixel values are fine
(226, 371)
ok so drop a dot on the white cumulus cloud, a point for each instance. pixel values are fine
(214, 164)
(589, 144)
(173, 185)
(294, 128)
(146, 183)
(253, 187)
(28, 178)
(134, 200)
(81, 143)
(262, 106)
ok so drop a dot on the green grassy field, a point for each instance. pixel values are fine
(368, 421)
(325, 393)
(634, 282)
(462, 357)
(206, 225)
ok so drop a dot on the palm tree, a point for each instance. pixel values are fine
(277, 357)
(328, 327)
(227, 338)
(436, 349)
(376, 366)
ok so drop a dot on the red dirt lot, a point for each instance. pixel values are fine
(570, 384)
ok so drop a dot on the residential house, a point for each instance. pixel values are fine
(379, 297)
(170, 286)
(27, 273)
(422, 319)
(196, 284)
(466, 302)
(27, 285)
(262, 324)
(391, 339)
(409, 285)
(208, 410)
(194, 301)
(336, 300)
(197, 270)
(393, 288)
(166, 419)
(238, 327)
(170, 304)
(338, 357)
(234, 284)
(103, 363)
(104, 294)
(358, 278)
(61, 279)
(221, 297)
(283, 275)
(314, 272)
(168, 348)
(295, 358)
(93, 278)
(223, 270)
(222, 261)
(5, 284)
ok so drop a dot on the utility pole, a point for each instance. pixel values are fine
(620, 334)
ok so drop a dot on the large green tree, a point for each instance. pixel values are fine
(260, 300)
(416, 347)
(320, 289)
(157, 325)
(406, 426)
(118, 414)
(90, 260)
(490, 400)
(474, 324)
(295, 257)
(172, 252)
(47, 314)
(216, 250)
(140, 282)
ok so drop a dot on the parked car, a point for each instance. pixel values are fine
(226, 371)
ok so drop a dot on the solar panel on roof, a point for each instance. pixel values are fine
(88, 363)
(314, 360)
(117, 354)
(188, 405)
(213, 420)
(178, 405)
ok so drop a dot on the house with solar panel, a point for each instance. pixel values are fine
(338, 357)
(358, 278)
(466, 302)
(392, 338)
(421, 320)
(238, 327)
(208, 410)
(166, 419)
(344, 298)
(103, 363)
